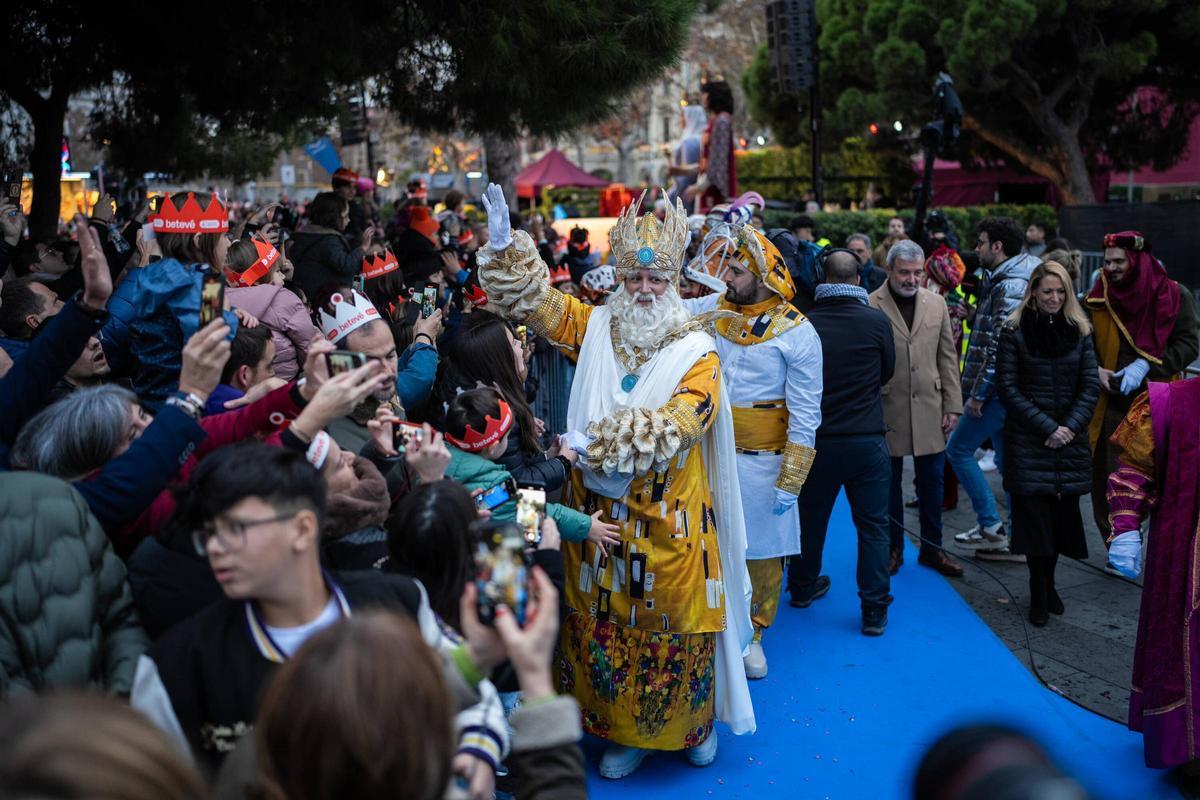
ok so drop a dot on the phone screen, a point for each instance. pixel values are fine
(405, 434)
(501, 572)
(494, 497)
(531, 508)
(429, 301)
(212, 298)
(340, 361)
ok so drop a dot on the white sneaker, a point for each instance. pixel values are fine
(755, 661)
(704, 754)
(988, 462)
(619, 760)
(979, 538)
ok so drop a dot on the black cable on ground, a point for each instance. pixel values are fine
(1024, 623)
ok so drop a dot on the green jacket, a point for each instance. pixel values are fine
(68, 615)
(476, 472)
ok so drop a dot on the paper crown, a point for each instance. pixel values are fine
(475, 295)
(267, 256)
(560, 274)
(378, 266)
(473, 441)
(646, 243)
(349, 314)
(191, 218)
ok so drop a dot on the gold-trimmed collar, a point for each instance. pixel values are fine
(756, 323)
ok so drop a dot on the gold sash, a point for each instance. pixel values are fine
(761, 427)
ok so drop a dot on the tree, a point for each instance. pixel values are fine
(502, 69)
(176, 103)
(625, 130)
(271, 73)
(1046, 84)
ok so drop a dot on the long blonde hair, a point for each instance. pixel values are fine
(1073, 312)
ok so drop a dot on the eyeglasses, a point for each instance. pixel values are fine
(231, 533)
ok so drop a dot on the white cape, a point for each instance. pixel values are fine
(595, 394)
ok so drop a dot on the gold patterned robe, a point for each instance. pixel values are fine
(637, 649)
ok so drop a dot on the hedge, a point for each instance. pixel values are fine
(837, 225)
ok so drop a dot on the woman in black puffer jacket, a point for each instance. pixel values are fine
(1047, 380)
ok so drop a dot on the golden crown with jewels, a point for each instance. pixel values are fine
(646, 243)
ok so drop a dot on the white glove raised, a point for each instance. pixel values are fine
(1133, 375)
(1125, 553)
(784, 502)
(499, 231)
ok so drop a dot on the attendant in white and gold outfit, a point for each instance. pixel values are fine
(657, 625)
(771, 363)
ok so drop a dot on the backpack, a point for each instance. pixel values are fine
(801, 259)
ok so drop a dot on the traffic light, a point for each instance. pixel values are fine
(353, 121)
(873, 128)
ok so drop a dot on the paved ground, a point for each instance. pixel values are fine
(1086, 654)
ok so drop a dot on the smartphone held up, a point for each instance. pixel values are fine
(341, 361)
(405, 435)
(502, 565)
(212, 298)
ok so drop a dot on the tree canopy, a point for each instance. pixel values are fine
(228, 85)
(1060, 87)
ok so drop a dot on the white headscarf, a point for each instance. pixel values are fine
(694, 121)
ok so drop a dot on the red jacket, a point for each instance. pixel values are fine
(264, 419)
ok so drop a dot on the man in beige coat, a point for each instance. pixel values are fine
(922, 402)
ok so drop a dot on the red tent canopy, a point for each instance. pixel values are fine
(552, 169)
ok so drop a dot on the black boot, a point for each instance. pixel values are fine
(1037, 590)
(1054, 603)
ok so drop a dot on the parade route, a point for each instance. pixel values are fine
(845, 716)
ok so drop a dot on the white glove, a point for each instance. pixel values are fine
(499, 231)
(1133, 375)
(1125, 553)
(784, 502)
(574, 440)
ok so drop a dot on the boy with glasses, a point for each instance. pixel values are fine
(256, 514)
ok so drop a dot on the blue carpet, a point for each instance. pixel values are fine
(842, 715)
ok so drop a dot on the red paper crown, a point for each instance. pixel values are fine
(267, 256)
(378, 266)
(473, 441)
(560, 274)
(475, 295)
(191, 218)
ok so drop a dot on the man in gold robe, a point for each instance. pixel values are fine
(657, 624)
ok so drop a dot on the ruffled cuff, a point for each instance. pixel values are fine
(793, 472)
(632, 441)
(515, 279)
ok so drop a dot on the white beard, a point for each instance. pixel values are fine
(644, 327)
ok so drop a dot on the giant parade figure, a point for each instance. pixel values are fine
(771, 362)
(656, 626)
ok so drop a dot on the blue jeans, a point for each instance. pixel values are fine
(860, 465)
(960, 452)
(928, 470)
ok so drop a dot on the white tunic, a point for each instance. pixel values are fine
(787, 366)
